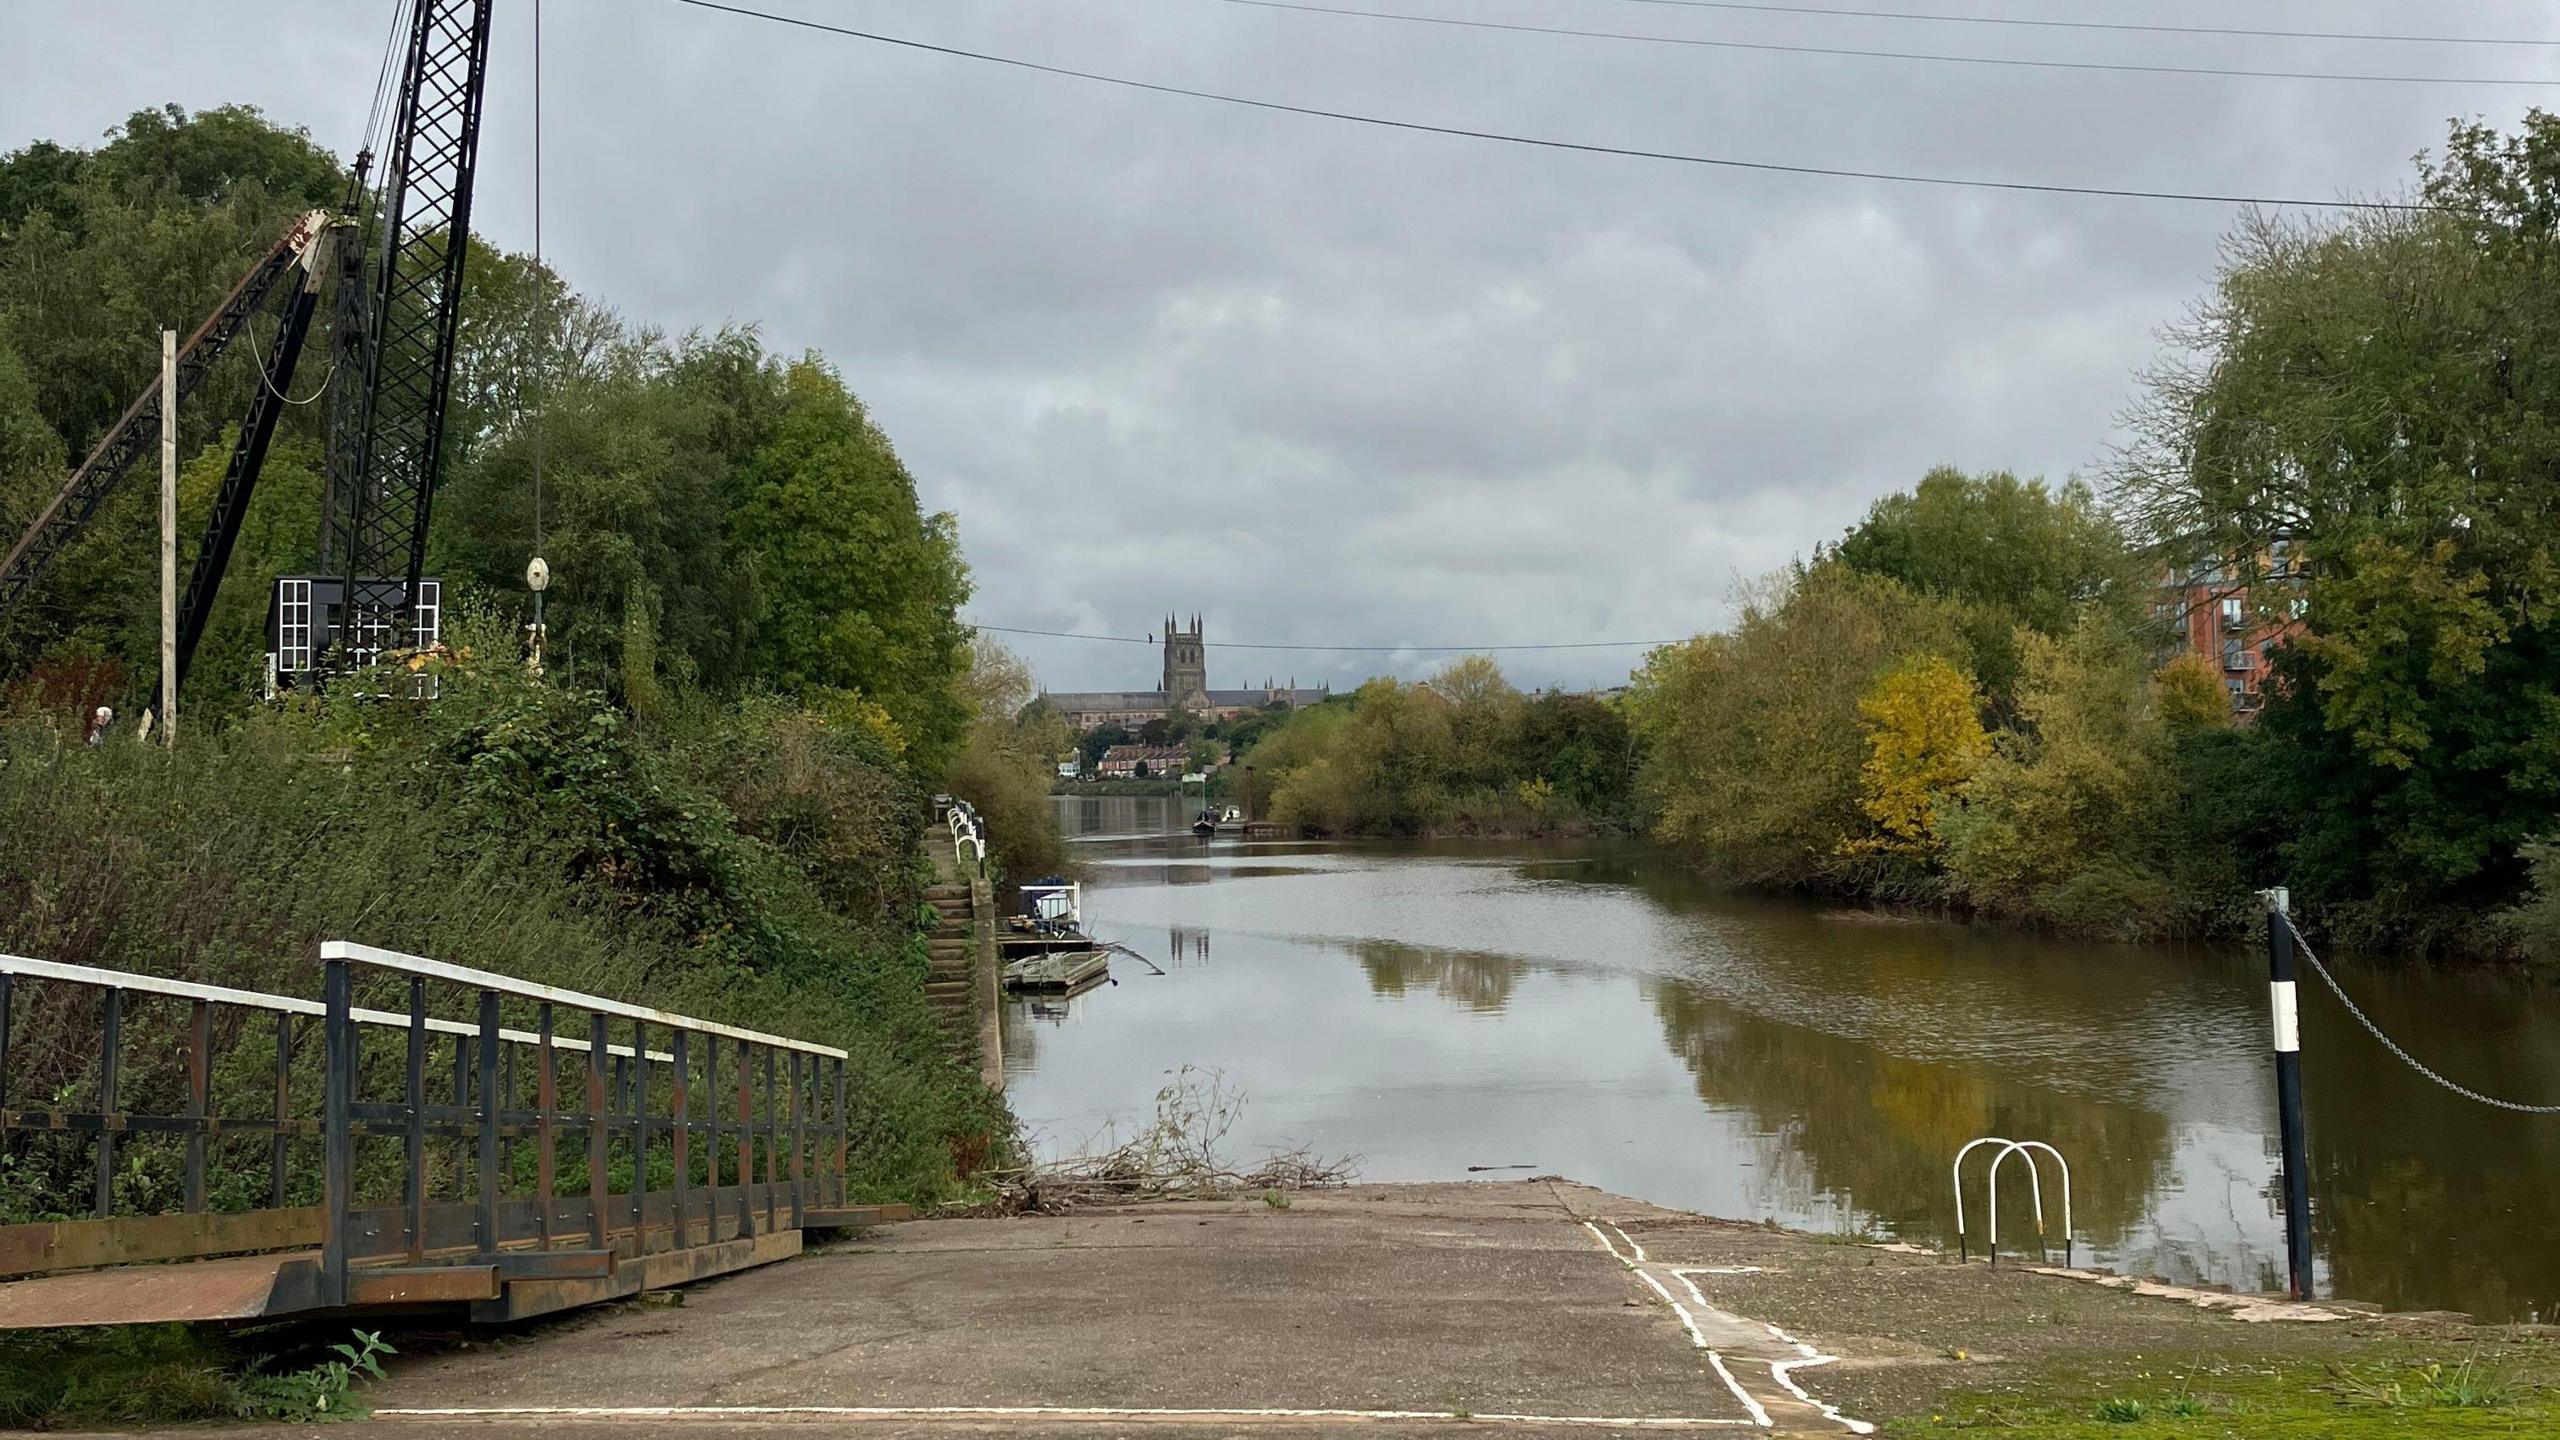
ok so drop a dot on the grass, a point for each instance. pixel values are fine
(175, 1374)
(2387, 1394)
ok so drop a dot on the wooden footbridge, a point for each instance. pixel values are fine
(466, 1142)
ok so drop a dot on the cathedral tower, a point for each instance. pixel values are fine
(1186, 667)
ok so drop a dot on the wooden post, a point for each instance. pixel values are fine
(169, 538)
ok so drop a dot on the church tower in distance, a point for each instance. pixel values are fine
(1186, 667)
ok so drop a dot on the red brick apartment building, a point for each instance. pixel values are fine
(2235, 624)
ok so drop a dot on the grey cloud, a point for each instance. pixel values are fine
(1326, 383)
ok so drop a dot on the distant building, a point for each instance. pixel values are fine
(2215, 614)
(1183, 686)
(1122, 762)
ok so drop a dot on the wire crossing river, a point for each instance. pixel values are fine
(1591, 1011)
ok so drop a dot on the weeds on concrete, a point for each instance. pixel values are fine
(1181, 1154)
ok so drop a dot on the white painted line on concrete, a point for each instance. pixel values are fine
(1759, 1416)
(1630, 1239)
(1689, 1322)
(1808, 1356)
(1778, 1371)
(1007, 1412)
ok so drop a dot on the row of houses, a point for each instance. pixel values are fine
(1142, 762)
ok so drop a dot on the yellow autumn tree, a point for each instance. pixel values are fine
(1924, 738)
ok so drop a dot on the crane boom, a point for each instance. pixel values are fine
(138, 429)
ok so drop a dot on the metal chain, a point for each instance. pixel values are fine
(2465, 1091)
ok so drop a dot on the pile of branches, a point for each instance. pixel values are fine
(1177, 1156)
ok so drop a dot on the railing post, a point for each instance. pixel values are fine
(199, 1102)
(683, 1231)
(546, 1102)
(414, 1141)
(107, 1118)
(639, 1138)
(772, 1149)
(7, 988)
(490, 1100)
(279, 1147)
(843, 1133)
(799, 1147)
(2286, 1014)
(597, 1138)
(337, 1134)
(711, 1144)
(746, 1149)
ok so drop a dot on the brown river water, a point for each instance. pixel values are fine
(1593, 1011)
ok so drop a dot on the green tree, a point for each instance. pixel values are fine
(2011, 552)
(1752, 741)
(2064, 823)
(2368, 399)
(861, 590)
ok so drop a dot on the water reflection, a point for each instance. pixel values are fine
(1469, 979)
(1600, 1014)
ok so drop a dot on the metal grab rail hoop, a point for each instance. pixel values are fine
(2035, 1193)
(442, 1191)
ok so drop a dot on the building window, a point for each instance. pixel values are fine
(2235, 614)
(293, 626)
(2235, 657)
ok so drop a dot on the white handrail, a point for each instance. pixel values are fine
(2035, 1192)
(419, 965)
(2027, 1147)
(260, 1000)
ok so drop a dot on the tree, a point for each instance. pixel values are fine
(1924, 739)
(1581, 748)
(1752, 741)
(861, 589)
(2371, 397)
(2011, 552)
(1002, 767)
(2190, 695)
(1098, 741)
(2064, 823)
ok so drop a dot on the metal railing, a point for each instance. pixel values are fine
(571, 1142)
(968, 836)
(2035, 1194)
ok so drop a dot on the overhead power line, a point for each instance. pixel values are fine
(1928, 57)
(2118, 26)
(1333, 649)
(1544, 143)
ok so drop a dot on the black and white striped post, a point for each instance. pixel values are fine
(2288, 1046)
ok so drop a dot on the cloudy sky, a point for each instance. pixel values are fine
(1334, 384)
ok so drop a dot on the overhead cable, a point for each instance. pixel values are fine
(2117, 26)
(1929, 57)
(1577, 147)
(1331, 649)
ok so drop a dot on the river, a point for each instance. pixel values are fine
(1596, 1012)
